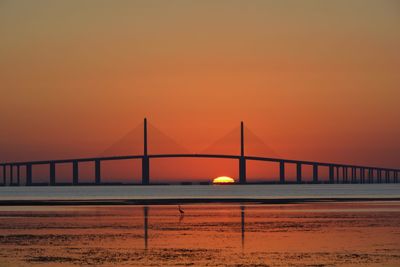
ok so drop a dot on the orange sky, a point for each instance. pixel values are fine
(315, 80)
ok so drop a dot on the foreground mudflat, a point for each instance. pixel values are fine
(323, 234)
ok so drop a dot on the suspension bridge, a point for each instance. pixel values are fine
(337, 172)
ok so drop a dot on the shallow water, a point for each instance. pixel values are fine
(323, 234)
(201, 191)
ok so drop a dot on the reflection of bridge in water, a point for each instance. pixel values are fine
(337, 173)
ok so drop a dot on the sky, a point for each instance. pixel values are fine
(314, 80)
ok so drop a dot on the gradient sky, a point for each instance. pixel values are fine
(315, 80)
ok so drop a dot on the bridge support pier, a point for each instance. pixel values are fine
(14, 172)
(18, 175)
(369, 176)
(379, 176)
(343, 174)
(52, 173)
(331, 174)
(374, 176)
(242, 159)
(97, 171)
(29, 174)
(11, 174)
(298, 173)
(395, 176)
(145, 159)
(242, 170)
(8, 178)
(348, 175)
(353, 174)
(337, 174)
(282, 172)
(315, 173)
(145, 170)
(75, 173)
(362, 175)
(4, 174)
(356, 176)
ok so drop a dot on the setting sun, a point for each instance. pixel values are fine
(223, 180)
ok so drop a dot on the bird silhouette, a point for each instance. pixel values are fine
(180, 210)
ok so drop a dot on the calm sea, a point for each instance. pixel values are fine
(201, 191)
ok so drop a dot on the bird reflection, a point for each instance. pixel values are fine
(180, 210)
(182, 213)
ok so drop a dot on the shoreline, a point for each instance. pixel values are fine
(174, 201)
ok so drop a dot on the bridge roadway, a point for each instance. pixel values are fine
(338, 172)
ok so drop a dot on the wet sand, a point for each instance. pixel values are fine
(234, 234)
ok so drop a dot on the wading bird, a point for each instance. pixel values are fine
(180, 210)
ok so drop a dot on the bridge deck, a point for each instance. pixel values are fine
(216, 156)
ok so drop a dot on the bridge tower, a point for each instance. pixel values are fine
(242, 160)
(145, 159)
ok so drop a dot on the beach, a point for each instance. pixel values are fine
(235, 234)
(321, 225)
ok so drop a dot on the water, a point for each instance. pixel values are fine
(307, 234)
(200, 192)
(236, 234)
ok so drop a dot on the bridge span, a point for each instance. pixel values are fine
(337, 172)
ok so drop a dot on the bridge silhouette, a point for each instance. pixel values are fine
(338, 173)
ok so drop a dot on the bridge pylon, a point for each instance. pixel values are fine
(145, 159)
(242, 159)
